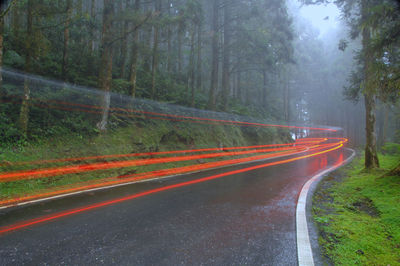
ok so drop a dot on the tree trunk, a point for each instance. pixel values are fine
(16, 22)
(93, 17)
(124, 50)
(6, 10)
(80, 15)
(239, 81)
(371, 155)
(24, 112)
(1, 57)
(134, 57)
(105, 75)
(226, 56)
(169, 36)
(199, 44)
(190, 76)
(286, 103)
(385, 123)
(157, 8)
(180, 37)
(64, 66)
(147, 36)
(147, 52)
(247, 90)
(80, 8)
(264, 92)
(214, 56)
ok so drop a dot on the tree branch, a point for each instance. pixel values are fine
(8, 8)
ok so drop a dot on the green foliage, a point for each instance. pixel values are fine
(9, 133)
(13, 59)
(120, 86)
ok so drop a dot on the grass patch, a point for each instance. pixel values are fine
(358, 213)
(144, 137)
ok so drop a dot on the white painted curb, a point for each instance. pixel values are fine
(304, 251)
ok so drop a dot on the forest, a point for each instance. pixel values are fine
(209, 132)
(257, 59)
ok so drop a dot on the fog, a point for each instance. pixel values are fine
(322, 73)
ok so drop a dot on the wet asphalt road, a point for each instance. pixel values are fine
(247, 218)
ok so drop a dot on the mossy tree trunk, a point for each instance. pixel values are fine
(3, 14)
(105, 74)
(214, 56)
(199, 64)
(1, 57)
(24, 112)
(265, 88)
(93, 18)
(154, 67)
(134, 57)
(181, 31)
(226, 56)
(64, 66)
(191, 74)
(371, 155)
(124, 50)
(169, 41)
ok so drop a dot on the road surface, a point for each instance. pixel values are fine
(245, 218)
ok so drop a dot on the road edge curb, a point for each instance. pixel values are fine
(304, 249)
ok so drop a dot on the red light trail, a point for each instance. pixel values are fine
(55, 216)
(146, 175)
(39, 173)
(151, 153)
(108, 181)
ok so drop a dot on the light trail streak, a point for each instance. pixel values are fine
(147, 175)
(55, 216)
(158, 173)
(146, 154)
(40, 173)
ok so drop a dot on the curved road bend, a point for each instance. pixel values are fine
(246, 218)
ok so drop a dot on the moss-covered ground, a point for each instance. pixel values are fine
(358, 213)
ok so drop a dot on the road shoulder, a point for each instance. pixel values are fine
(308, 250)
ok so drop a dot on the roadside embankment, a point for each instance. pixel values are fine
(138, 151)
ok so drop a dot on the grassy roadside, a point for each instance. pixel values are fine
(145, 137)
(358, 213)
